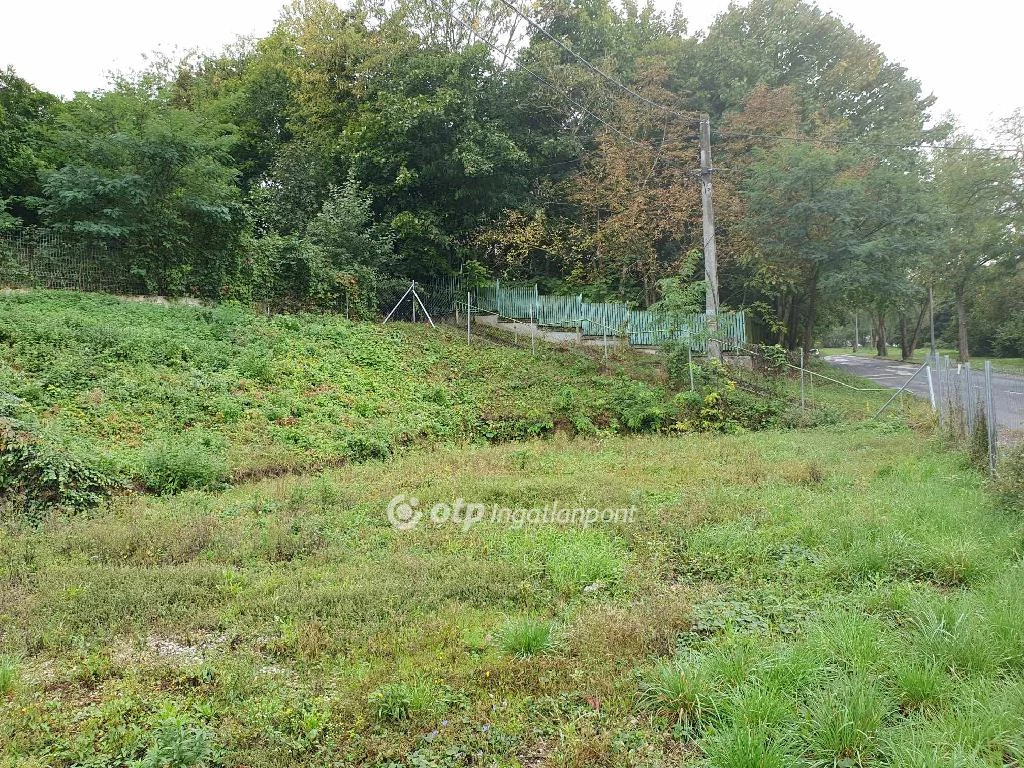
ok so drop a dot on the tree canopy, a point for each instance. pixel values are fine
(358, 143)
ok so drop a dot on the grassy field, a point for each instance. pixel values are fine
(846, 593)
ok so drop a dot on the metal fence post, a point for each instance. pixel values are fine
(533, 332)
(931, 387)
(469, 315)
(969, 402)
(990, 418)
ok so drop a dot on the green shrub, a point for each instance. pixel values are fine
(672, 689)
(179, 744)
(257, 365)
(745, 747)
(716, 404)
(359, 448)
(843, 721)
(774, 359)
(638, 407)
(400, 701)
(192, 460)
(35, 479)
(526, 637)
(977, 447)
(9, 675)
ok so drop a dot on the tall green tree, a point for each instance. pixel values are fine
(977, 202)
(156, 182)
(27, 146)
(836, 223)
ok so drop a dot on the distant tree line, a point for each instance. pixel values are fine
(356, 145)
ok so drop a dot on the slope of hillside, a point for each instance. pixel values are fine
(179, 396)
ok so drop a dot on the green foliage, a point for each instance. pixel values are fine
(155, 181)
(182, 462)
(283, 620)
(355, 145)
(179, 744)
(586, 559)
(1010, 482)
(475, 274)
(526, 637)
(716, 403)
(775, 359)
(401, 701)
(681, 296)
(977, 447)
(181, 397)
(338, 265)
(843, 723)
(10, 674)
(37, 479)
(679, 691)
(637, 406)
(26, 143)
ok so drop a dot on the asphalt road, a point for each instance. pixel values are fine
(1007, 389)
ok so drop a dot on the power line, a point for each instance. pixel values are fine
(994, 149)
(540, 78)
(601, 73)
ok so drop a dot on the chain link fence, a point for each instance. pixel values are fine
(981, 405)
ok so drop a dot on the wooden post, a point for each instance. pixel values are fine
(802, 402)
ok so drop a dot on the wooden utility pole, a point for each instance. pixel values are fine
(710, 254)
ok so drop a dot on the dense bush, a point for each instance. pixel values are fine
(182, 462)
(1009, 338)
(36, 479)
(336, 265)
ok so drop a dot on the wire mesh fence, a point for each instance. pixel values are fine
(513, 303)
(35, 259)
(982, 405)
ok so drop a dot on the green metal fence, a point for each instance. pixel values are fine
(37, 259)
(640, 327)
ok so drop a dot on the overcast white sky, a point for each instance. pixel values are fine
(970, 58)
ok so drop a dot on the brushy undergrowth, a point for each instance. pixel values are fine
(1010, 482)
(174, 398)
(37, 479)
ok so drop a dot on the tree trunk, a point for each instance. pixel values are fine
(812, 311)
(785, 307)
(961, 322)
(881, 342)
(917, 330)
